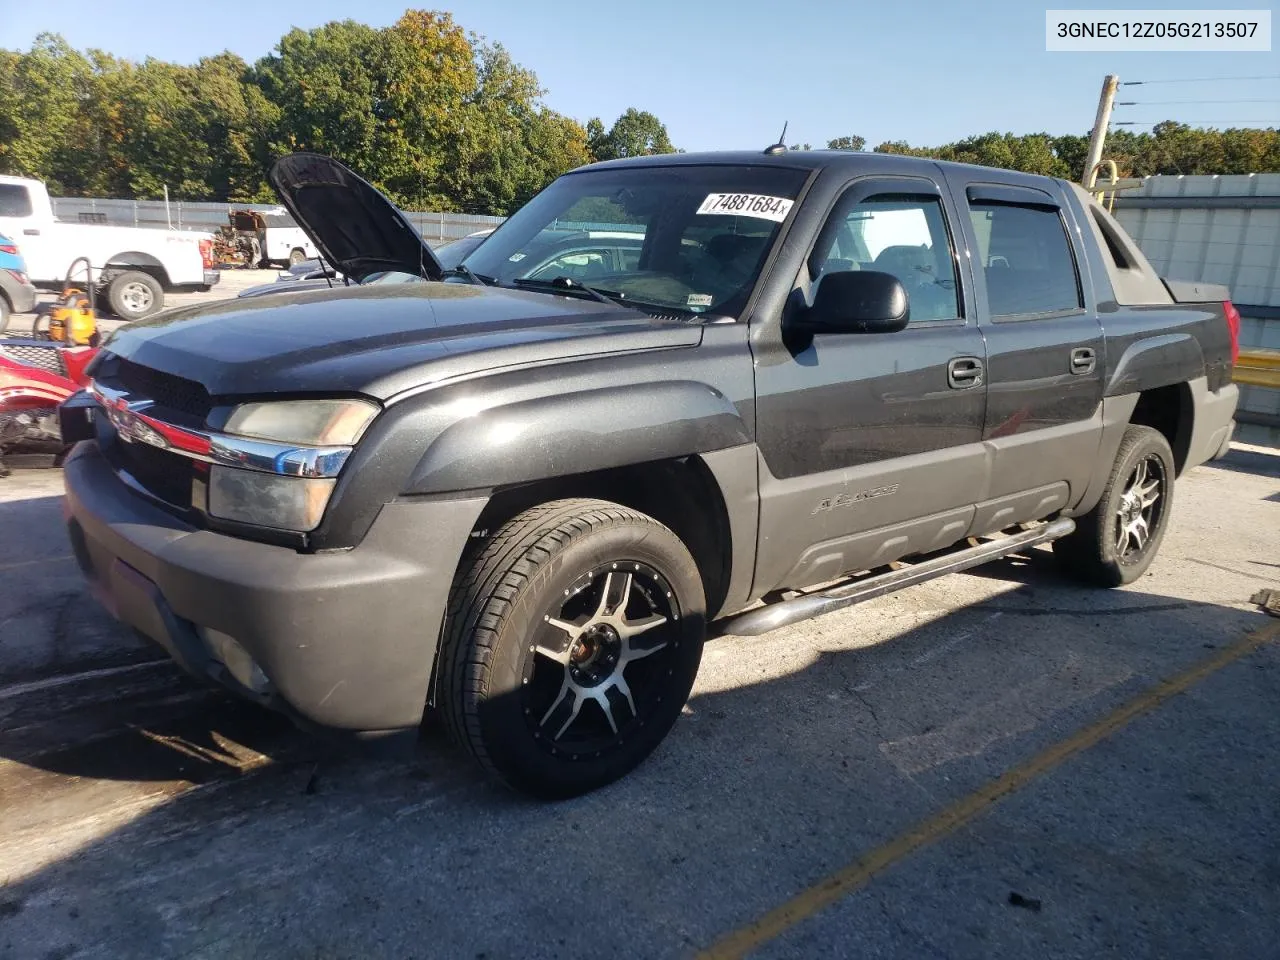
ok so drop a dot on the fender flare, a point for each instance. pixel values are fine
(1156, 362)
(576, 433)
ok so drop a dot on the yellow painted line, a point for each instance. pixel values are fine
(806, 904)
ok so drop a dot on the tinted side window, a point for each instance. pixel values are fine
(15, 201)
(1026, 259)
(900, 234)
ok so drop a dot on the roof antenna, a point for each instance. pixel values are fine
(781, 145)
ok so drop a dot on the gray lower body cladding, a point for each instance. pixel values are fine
(346, 641)
(21, 296)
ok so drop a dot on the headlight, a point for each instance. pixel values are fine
(307, 422)
(268, 500)
(275, 464)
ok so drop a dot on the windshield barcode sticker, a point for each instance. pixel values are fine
(746, 205)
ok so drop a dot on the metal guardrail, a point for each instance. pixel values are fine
(207, 217)
(1258, 368)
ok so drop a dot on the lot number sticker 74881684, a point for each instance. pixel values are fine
(746, 205)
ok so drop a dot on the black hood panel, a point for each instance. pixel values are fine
(381, 340)
(357, 229)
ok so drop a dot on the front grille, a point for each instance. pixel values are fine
(168, 391)
(46, 356)
(161, 473)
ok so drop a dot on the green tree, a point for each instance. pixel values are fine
(40, 96)
(509, 145)
(636, 133)
(236, 117)
(426, 111)
(900, 147)
(330, 86)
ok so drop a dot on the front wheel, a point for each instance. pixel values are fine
(297, 257)
(573, 637)
(1116, 542)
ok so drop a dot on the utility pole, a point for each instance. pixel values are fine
(1100, 124)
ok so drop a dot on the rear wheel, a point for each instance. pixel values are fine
(134, 295)
(1117, 541)
(4, 314)
(296, 257)
(573, 638)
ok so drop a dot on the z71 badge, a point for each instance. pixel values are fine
(845, 499)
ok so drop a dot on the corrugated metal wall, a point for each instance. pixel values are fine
(1220, 230)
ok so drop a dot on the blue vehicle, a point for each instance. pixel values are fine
(17, 295)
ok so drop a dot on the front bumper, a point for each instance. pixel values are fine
(344, 641)
(21, 296)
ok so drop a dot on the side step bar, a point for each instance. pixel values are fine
(786, 612)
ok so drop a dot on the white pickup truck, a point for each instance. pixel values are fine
(133, 267)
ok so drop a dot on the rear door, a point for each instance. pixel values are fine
(1044, 346)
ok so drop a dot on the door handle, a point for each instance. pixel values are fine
(29, 232)
(964, 372)
(1083, 360)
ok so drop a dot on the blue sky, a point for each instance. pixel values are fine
(726, 75)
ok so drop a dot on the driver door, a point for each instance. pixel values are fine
(872, 442)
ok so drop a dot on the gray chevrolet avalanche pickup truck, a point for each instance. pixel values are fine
(746, 388)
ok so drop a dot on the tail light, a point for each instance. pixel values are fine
(206, 253)
(8, 248)
(1233, 325)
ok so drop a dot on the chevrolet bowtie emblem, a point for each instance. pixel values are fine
(131, 427)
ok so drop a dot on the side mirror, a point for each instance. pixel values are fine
(857, 301)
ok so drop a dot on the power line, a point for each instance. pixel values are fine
(1152, 103)
(1138, 83)
(1144, 123)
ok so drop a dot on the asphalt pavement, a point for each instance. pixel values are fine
(996, 764)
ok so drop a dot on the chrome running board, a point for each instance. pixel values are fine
(783, 613)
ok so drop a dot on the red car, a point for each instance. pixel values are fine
(35, 377)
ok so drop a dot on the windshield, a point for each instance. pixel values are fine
(452, 253)
(686, 238)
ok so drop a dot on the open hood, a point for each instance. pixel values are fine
(357, 229)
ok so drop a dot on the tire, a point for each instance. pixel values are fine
(508, 676)
(1107, 548)
(134, 295)
(5, 313)
(296, 256)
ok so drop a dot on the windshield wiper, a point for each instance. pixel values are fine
(476, 278)
(568, 283)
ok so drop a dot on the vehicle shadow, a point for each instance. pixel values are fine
(1258, 461)
(286, 849)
